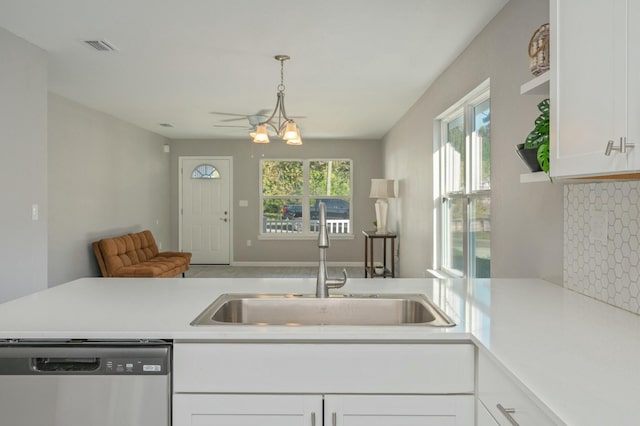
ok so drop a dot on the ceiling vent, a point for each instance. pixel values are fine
(101, 45)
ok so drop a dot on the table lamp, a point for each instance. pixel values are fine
(382, 189)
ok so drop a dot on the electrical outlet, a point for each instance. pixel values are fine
(248, 243)
(34, 212)
(598, 225)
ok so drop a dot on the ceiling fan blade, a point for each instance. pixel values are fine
(228, 113)
(233, 119)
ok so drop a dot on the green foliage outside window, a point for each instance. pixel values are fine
(331, 178)
(283, 182)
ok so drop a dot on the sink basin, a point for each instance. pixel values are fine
(290, 309)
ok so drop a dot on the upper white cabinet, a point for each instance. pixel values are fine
(594, 87)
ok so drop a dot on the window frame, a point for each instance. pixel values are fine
(305, 198)
(468, 195)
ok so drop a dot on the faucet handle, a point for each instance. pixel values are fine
(338, 282)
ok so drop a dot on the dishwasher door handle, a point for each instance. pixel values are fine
(62, 365)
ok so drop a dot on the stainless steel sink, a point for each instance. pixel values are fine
(291, 309)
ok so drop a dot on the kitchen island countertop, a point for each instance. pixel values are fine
(580, 357)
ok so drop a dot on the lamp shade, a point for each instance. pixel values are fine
(291, 131)
(261, 135)
(382, 188)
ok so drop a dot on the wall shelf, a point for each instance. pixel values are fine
(537, 86)
(534, 177)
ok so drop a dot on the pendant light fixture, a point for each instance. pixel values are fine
(284, 127)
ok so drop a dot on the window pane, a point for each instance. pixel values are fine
(337, 214)
(205, 171)
(454, 231)
(455, 155)
(282, 178)
(482, 146)
(480, 237)
(282, 215)
(330, 177)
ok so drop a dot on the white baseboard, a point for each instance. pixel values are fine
(298, 264)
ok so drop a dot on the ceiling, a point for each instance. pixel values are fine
(356, 65)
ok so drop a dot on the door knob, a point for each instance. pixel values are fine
(224, 219)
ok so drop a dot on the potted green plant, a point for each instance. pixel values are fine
(535, 150)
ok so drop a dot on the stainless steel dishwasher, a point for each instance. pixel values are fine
(88, 383)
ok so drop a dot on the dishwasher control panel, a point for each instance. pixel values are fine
(85, 359)
(134, 366)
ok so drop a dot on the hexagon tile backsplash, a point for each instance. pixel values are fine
(601, 240)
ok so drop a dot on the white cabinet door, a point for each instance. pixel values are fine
(399, 410)
(588, 93)
(507, 400)
(633, 82)
(246, 410)
(484, 418)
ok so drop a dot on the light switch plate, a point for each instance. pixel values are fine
(243, 203)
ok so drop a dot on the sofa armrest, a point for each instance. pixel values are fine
(99, 258)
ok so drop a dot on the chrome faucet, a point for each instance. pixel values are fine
(324, 283)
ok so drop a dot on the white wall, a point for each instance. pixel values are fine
(106, 178)
(23, 167)
(367, 164)
(527, 223)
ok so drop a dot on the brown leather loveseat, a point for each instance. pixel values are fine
(137, 255)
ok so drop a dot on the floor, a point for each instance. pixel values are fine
(225, 271)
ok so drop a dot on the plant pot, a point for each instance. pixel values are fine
(529, 157)
(379, 270)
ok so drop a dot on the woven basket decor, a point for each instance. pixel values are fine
(539, 50)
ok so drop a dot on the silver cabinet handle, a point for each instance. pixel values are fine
(313, 418)
(507, 412)
(334, 419)
(622, 147)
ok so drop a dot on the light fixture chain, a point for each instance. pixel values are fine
(281, 85)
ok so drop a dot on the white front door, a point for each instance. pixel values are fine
(205, 209)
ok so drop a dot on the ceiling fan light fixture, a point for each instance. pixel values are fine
(291, 131)
(283, 126)
(295, 141)
(261, 135)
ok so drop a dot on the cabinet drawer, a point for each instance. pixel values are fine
(247, 410)
(324, 368)
(496, 387)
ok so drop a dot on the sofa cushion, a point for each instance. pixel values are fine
(145, 245)
(118, 252)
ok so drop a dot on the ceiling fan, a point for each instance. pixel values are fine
(253, 120)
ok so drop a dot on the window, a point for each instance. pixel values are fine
(291, 191)
(205, 171)
(464, 176)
